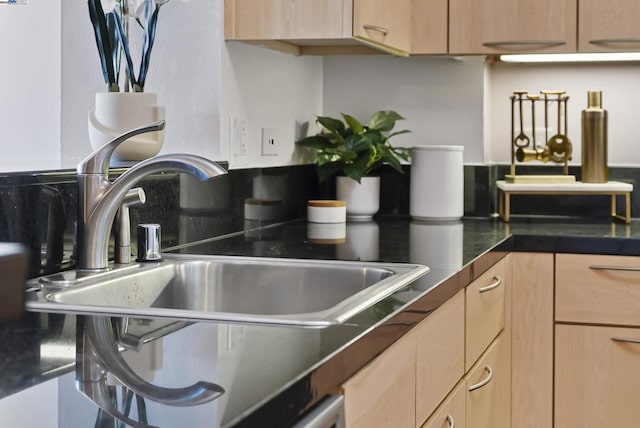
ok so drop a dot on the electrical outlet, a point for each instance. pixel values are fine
(270, 142)
(239, 137)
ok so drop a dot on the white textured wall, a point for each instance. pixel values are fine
(30, 86)
(184, 72)
(620, 88)
(441, 98)
(270, 90)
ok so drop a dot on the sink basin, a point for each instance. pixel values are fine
(309, 293)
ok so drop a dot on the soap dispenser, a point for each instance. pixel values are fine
(594, 140)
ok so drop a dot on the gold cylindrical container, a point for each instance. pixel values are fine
(594, 140)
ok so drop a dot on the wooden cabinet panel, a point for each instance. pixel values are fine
(451, 412)
(489, 406)
(610, 25)
(597, 379)
(532, 340)
(429, 26)
(508, 26)
(485, 310)
(287, 19)
(383, 22)
(440, 355)
(597, 289)
(382, 394)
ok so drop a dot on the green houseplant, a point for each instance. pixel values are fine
(354, 149)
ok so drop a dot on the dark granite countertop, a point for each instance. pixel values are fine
(273, 374)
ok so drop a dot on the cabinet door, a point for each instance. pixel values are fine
(429, 26)
(610, 25)
(598, 289)
(485, 311)
(440, 355)
(287, 19)
(382, 394)
(385, 23)
(489, 388)
(509, 26)
(532, 340)
(597, 378)
(451, 413)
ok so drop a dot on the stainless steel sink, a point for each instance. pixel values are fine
(309, 293)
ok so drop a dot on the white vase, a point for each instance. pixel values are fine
(118, 112)
(362, 199)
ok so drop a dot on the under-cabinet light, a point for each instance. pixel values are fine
(575, 57)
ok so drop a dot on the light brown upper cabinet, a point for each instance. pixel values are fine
(611, 25)
(512, 26)
(339, 26)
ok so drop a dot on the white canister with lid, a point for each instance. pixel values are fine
(437, 183)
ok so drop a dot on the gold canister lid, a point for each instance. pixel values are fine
(594, 99)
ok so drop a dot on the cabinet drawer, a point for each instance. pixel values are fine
(488, 388)
(485, 310)
(451, 413)
(440, 355)
(597, 378)
(598, 289)
(382, 394)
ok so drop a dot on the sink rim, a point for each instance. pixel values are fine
(403, 275)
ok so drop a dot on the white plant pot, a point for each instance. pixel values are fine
(118, 112)
(362, 199)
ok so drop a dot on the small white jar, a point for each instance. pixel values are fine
(326, 211)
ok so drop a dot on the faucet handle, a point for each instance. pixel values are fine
(98, 161)
(149, 243)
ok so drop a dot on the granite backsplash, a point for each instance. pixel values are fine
(39, 209)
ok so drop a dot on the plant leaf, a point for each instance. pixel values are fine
(112, 28)
(357, 143)
(389, 157)
(101, 32)
(318, 142)
(334, 126)
(329, 169)
(384, 120)
(404, 131)
(353, 123)
(358, 169)
(147, 46)
(124, 42)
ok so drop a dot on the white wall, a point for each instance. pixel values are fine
(30, 86)
(620, 95)
(184, 71)
(268, 89)
(441, 98)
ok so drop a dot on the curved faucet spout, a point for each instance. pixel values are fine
(100, 200)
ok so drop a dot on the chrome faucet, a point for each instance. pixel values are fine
(99, 198)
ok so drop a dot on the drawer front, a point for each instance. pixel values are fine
(382, 394)
(598, 289)
(451, 413)
(488, 388)
(439, 355)
(597, 378)
(485, 310)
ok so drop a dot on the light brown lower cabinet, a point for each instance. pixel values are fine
(597, 380)
(382, 394)
(412, 376)
(451, 412)
(488, 397)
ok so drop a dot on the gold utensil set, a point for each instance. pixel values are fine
(558, 147)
